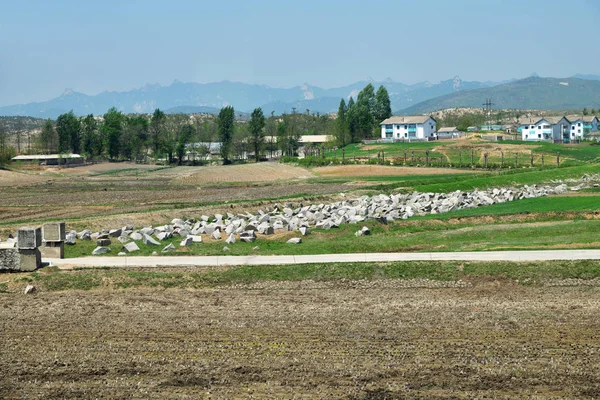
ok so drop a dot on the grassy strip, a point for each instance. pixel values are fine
(551, 204)
(532, 273)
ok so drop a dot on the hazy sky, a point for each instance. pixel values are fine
(91, 46)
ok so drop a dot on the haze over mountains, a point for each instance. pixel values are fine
(529, 93)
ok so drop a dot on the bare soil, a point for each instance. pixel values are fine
(493, 339)
(262, 172)
(126, 193)
(382, 170)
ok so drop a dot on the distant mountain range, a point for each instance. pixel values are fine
(180, 97)
(529, 93)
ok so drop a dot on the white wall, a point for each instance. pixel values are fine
(400, 130)
(542, 130)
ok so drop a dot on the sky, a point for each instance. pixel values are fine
(91, 46)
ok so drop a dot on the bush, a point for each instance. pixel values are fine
(6, 154)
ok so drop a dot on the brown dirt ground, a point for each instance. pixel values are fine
(491, 340)
(263, 172)
(382, 170)
(143, 194)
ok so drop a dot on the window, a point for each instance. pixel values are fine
(578, 130)
(539, 136)
(547, 127)
(388, 135)
(532, 127)
(406, 135)
(579, 124)
(405, 126)
(539, 127)
(573, 128)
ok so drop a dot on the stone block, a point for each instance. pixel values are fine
(54, 232)
(9, 259)
(53, 250)
(30, 259)
(29, 238)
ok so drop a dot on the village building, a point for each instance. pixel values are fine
(416, 127)
(50, 159)
(449, 132)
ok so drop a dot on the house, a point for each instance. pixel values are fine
(415, 127)
(449, 132)
(544, 128)
(582, 126)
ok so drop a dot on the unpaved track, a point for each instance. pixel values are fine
(491, 340)
(155, 261)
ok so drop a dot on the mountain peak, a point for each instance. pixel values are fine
(456, 82)
(67, 92)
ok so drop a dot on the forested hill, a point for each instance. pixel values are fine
(530, 93)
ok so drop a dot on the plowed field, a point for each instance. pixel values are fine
(263, 172)
(298, 340)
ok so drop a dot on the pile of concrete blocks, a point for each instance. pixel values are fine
(26, 255)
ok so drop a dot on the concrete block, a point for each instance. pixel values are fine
(30, 259)
(54, 232)
(53, 250)
(9, 259)
(29, 238)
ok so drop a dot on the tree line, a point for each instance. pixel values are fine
(178, 138)
(360, 119)
(175, 138)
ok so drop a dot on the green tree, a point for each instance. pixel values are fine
(342, 134)
(48, 138)
(185, 136)
(257, 133)
(134, 138)
(170, 134)
(68, 128)
(91, 143)
(157, 127)
(365, 104)
(383, 107)
(271, 134)
(352, 120)
(6, 152)
(225, 129)
(111, 130)
(585, 111)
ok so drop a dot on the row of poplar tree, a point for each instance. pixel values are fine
(119, 136)
(360, 120)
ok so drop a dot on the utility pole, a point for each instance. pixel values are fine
(487, 109)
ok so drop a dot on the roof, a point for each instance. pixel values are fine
(45, 157)
(407, 119)
(530, 120)
(553, 120)
(448, 129)
(587, 118)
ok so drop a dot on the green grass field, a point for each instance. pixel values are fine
(459, 153)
